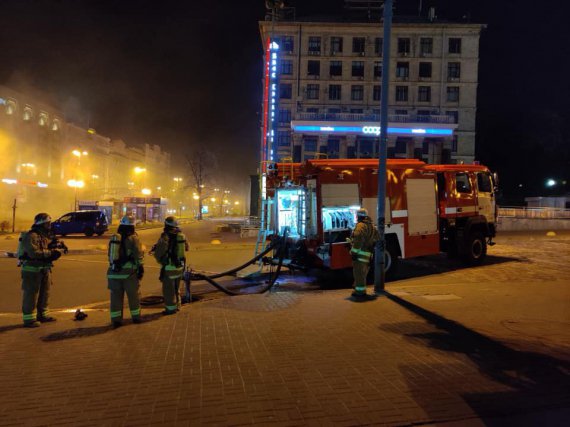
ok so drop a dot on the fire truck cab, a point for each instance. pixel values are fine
(429, 209)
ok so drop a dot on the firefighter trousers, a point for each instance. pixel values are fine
(360, 271)
(171, 293)
(118, 288)
(35, 294)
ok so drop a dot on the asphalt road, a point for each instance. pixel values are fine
(81, 279)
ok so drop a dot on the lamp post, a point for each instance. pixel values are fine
(77, 183)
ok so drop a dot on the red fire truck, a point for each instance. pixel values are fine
(429, 209)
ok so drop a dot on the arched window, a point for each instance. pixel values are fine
(55, 126)
(43, 120)
(10, 107)
(28, 113)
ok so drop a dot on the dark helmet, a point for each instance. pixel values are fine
(171, 222)
(42, 218)
(361, 213)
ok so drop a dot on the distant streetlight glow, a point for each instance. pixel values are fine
(196, 197)
(78, 153)
(550, 183)
(146, 191)
(75, 183)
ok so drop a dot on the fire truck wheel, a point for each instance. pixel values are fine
(390, 265)
(476, 248)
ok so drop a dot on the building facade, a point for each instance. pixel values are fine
(48, 164)
(323, 89)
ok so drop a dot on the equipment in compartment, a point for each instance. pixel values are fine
(339, 218)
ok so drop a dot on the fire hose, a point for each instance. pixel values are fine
(191, 275)
(280, 243)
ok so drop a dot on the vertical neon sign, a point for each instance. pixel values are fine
(269, 103)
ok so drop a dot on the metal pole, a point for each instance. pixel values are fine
(14, 216)
(379, 276)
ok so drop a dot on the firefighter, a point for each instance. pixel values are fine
(37, 254)
(125, 271)
(169, 252)
(364, 237)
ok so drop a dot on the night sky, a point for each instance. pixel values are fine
(185, 73)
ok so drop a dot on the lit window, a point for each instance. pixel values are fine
(55, 125)
(28, 114)
(10, 107)
(43, 120)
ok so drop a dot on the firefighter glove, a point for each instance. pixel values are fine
(55, 255)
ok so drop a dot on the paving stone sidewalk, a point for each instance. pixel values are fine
(282, 358)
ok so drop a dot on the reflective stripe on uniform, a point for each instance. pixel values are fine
(31, 316)
(136, 312)
(116, 314)
(171, 307)
(34, 268)
(360, 289)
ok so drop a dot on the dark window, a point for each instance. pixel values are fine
(286, 67)
(288, 44)
(378, 46)
(453, 94)
(424, 93)
(454, 115)
(357, 93)
(314, 68)
(365, 147)
(351, 152)
(401, 93)
(484, 182)
(310, 143)
(357, 69)
(285, 91)
(403, 46)
(391, 152)
(283, 138)
(333, 148)
(454, 143)
(356, 111)
(312, 91)
(377, 93)
(445, 156)
(454, 45)
(297, 149)
(403, 69)
(425, 146)
(454, 70)
(314, 45)
(424, 114)
(462, 183)
(334, 110)
(426, 46)
(336, 45)
(313, 110)
(425, 69)
(335, 92)
(358, 44)
(402, 112)
(284, 116)
(377, 69)
(418, 154)
(401, 146)
(335, 68)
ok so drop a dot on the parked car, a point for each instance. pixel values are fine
(86, 222)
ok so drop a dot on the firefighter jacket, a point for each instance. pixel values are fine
(169, 252)
(364, 237)
(131, 258)
(37, 255)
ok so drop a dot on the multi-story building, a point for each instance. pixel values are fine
(43, 157)
(323, 90)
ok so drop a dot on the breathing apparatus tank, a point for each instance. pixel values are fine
(20, 253)
(181, 247)
(114, 252)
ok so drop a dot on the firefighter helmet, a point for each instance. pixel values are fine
(127, 220)
(41, 218)
(171, 222)
(361, 213)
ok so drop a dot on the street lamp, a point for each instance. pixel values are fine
(75, 184)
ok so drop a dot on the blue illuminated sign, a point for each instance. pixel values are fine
(373, 130)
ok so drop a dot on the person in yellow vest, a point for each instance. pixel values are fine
(36, 255)
(169, 252)
(364, 237)
(125, 271)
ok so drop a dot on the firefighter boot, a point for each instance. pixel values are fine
(46, 319)
(32, 324)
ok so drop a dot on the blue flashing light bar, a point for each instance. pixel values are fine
(373, 130)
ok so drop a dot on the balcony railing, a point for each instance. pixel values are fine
(394, 118)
